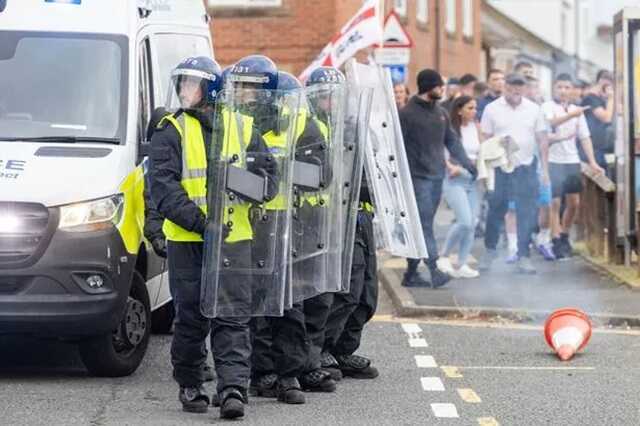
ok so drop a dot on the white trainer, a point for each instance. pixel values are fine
(466, 272)
(444, 264)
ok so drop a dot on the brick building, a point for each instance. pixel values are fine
(446, 33)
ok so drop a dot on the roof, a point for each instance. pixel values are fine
(97, 16)
(516, 32)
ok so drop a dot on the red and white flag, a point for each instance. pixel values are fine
(363, 30)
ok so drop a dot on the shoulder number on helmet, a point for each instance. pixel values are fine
(240, 69)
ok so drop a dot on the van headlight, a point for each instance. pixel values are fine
(94, 215)
(9, 223)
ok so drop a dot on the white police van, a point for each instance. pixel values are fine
(78, 82)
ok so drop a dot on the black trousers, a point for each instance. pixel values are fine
(230, 337)
(351, 311)
(316, 315)
(279, 344)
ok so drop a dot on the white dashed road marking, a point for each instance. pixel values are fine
(445, 410)
(435, 384)
(411, 328)
(429, 384)
(418, 343)
(425, 361)
(432, 384)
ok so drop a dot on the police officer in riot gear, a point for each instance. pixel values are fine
(317, 308)
(153, 220)
(351, 310)
(179, 158)
(280, 346)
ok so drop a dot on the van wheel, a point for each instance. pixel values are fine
(162, 319)
(120, 352)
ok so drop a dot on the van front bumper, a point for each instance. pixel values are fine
(57, 296)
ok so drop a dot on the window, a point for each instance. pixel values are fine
(84, 95)
(451, 16)
(244, 3)
(585, 22)
(171, 49)
(400, 6)
(422, 11)
(467, 16)
(563, 29)
(144, 94)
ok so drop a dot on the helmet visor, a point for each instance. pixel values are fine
(189, 90)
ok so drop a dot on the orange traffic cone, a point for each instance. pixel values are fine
(567, 331)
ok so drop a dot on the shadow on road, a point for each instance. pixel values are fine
(26, 357)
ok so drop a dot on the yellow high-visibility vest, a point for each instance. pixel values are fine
(279, 141)
(194, 173)
(314, 200)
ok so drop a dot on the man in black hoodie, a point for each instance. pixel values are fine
(427, 132)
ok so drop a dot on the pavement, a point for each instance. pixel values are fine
(503, 293)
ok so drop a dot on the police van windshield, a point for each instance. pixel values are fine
(57, 85)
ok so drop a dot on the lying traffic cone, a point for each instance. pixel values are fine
(567, 331)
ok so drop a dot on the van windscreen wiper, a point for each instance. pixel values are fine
(62, 139)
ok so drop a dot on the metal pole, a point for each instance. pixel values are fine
(577, 4)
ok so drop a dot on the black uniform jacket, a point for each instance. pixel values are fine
(170, 198)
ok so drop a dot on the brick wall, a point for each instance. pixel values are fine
(292, 35)
(457, 54)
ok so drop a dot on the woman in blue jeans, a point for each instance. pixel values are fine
(461, 192)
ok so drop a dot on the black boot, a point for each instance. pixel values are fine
(438, 278)
(329, 364)
(558, 248)
(264, 386)
(318, 381)
(290, 391)
(194, 399)
(413, 279)
(357, 367)
(566, 245)
(232, 403)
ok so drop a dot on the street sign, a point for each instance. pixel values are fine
(392, 55)
(394, 34)
(398, 73)
(395, 52)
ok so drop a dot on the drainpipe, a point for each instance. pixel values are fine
(438, 49)
(577, 18)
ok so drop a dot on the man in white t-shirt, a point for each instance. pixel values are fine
(566, 123)
(516, 117)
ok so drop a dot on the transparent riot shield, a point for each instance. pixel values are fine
(358, 107)
(245, 267)
(317, 225)
(397, 223)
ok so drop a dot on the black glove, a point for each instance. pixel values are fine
(160, 247)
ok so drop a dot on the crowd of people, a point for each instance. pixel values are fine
(472, 143)
(506, 161)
